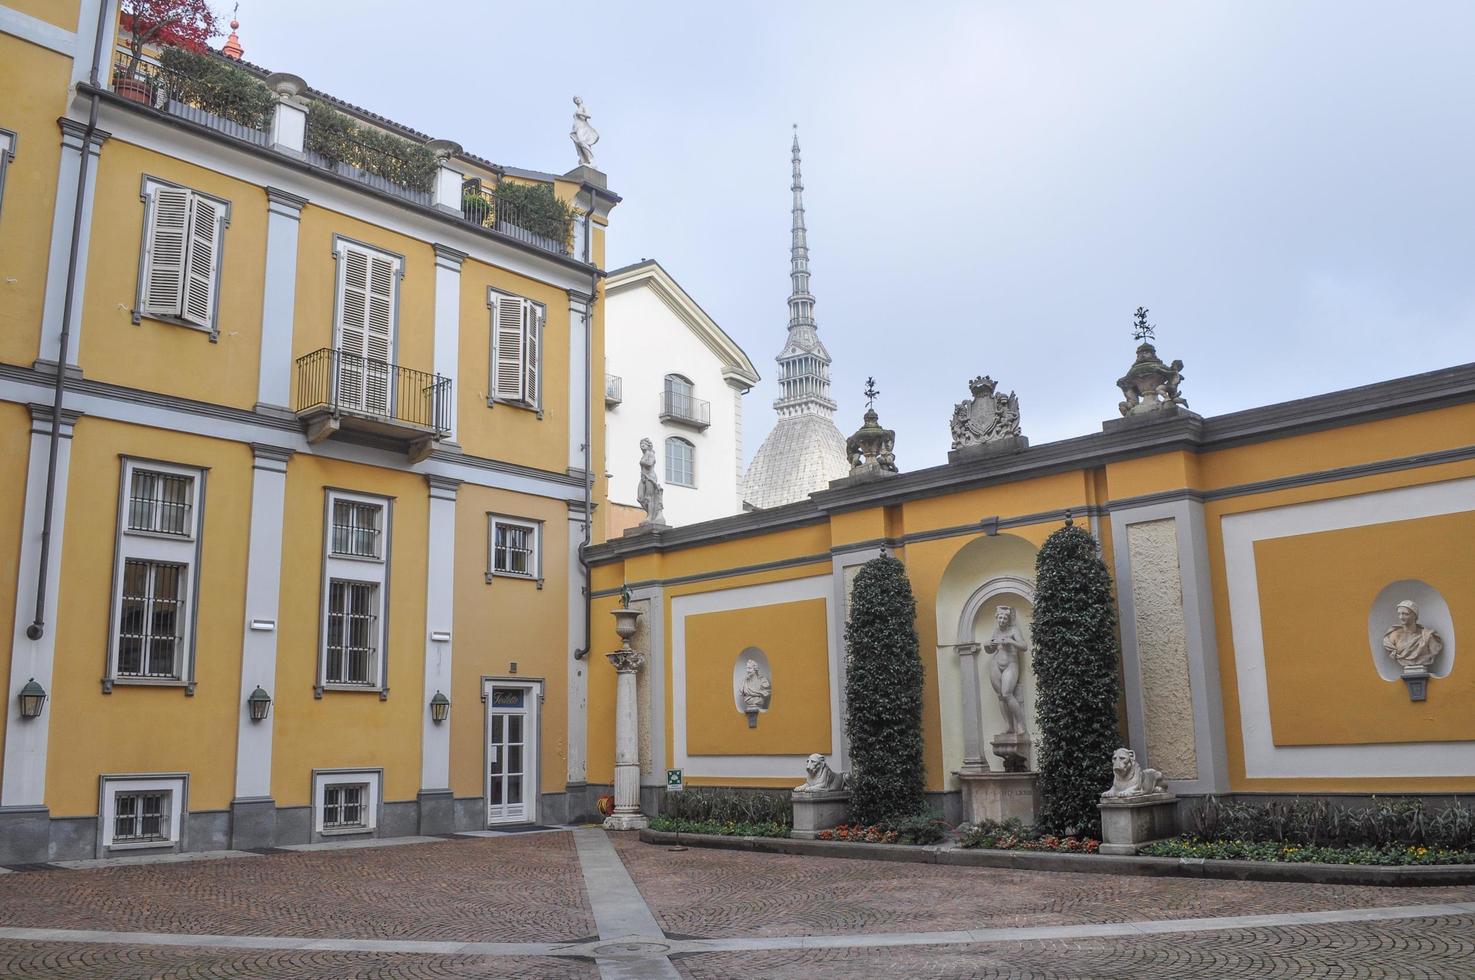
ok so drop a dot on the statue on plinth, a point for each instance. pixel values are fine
(650, 494)
(1129, 780)
(819, 777)
(871, 450)
(1006, 649)
(1149, 385)
(583, 134)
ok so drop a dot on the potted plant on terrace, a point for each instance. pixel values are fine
(170, 23)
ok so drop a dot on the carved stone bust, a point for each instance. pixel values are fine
(819, 777)
(1411, 645)
(757, 690)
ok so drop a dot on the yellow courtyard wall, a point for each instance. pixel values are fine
(92, 732)
(153, 354)
(60, 13)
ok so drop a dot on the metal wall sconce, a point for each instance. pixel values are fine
(259, 704)
(440, 708)
(31, 697)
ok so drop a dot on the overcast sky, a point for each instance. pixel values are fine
(991, 187)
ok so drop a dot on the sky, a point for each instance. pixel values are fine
(991, 188)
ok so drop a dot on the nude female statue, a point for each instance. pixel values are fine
(1006, 647)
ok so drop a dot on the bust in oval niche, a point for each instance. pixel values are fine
(1411, 635)
(752, 684)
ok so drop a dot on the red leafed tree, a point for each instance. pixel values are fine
(177, 23)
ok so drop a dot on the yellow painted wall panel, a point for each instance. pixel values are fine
(345, 729)
(153, 354)
(1151, 474)
(34, 81)
(1316, 591)
(146, 729)
(59, 13)
(794, 638)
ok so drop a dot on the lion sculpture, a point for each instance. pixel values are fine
(1130, 779)
(819, 777)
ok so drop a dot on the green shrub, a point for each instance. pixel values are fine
(207, 82)
(1286, 851)
(534, 208)
(1075, 663)
(883, 691)
(333, 135)
(1320, 823)
(917, 830)
(721, 805)
(679, 825)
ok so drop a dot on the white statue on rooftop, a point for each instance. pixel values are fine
(583, 134)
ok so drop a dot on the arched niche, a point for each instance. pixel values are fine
(987, 572)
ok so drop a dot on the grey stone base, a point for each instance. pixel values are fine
(814, 812)
(437, 812)
(253, 823)
(1127, 824)
(998, 447)
(626, 821)
(1000, 796)
(25, 834)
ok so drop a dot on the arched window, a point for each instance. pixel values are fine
(677, 398)
(681, 462)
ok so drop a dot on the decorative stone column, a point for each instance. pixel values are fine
(974, 760)
(627, 662)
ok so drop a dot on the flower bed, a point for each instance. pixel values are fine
(1005, 840)
(911, 830)
(722, 828)
(1280, 851)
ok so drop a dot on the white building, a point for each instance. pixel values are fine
(671, 376)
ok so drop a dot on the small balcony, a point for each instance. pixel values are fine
(339, 393)
(614, 390)
(685, 410)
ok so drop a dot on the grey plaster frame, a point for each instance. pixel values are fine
(839, 561)
(137, 312)
(178, 846)
(534, 404)
(537, 526)
(338, 273)
(1202, 646)
(315, 835)
(320, 683)
(538, 687)
(186, 679)
(655, 676)
(7, 156)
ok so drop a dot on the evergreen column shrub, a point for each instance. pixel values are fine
(883, 693)
(1075, 663)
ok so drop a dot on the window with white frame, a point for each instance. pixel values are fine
(141, 811)
(154, 601)
(680, 462)
(517, 344)
(364, 331)
(355, 583)
(179, 273)
(7, 154)
(513, 548)
(346, 801)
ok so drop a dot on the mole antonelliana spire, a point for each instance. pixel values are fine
(805, 451)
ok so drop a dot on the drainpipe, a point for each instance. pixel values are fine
(37, 629)
(583, 652)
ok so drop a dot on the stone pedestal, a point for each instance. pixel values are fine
(1417, 681)
(814, 812)
(1006, 446)
(627, 815)
(1012, 748)
(1000, 796)
(1131, 821)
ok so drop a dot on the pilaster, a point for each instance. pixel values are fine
(279, 299)
(447, 338)
(56, 306)
(435, 748)
(580, 309)
(578, 639)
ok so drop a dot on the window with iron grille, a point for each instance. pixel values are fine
(160, 502)
(345, 806)
(514, 548)
(680, 462)
(353, 632)
(356, 528)
(141, 817)
(154, 599)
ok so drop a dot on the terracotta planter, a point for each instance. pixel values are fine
(133, 89)
(605, 805)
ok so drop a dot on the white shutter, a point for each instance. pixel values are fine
(379, 333)
(353, 298)
(534, 320)
(200, 259)
(164, 250)
(508, 334)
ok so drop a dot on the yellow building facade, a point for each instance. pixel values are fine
(296, 461)
(1258, 558)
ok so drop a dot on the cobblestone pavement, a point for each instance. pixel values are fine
(506, 889)
(714, 893)
(1423, 948)
(441, 909)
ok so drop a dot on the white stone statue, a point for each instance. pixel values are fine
(1006, 648)
(1412, 646)
(757, 690)
(986, 417)
(583, 134)
(650, 493)
(819, 777)
(1129, 779)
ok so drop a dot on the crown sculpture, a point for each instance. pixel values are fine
(1149, 385)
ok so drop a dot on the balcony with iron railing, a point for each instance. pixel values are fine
(685, 410)
(614, 390)
(236, 102)
(339, 393)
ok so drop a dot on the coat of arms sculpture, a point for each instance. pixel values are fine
(986, 417)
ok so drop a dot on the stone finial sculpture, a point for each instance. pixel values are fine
(870, 449)
(650, 494)
(1149, 385)
(757, 690)
(1410, 644)
(986, 417)
(1006, 648)
(583, 134)
(819, 777)
(1128, 779)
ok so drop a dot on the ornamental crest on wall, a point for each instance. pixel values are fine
(986, 417)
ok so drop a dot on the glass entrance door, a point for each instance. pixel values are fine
(508, 755)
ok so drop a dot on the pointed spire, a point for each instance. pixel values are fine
(232, 46)
(801, 301)
(804, 364)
